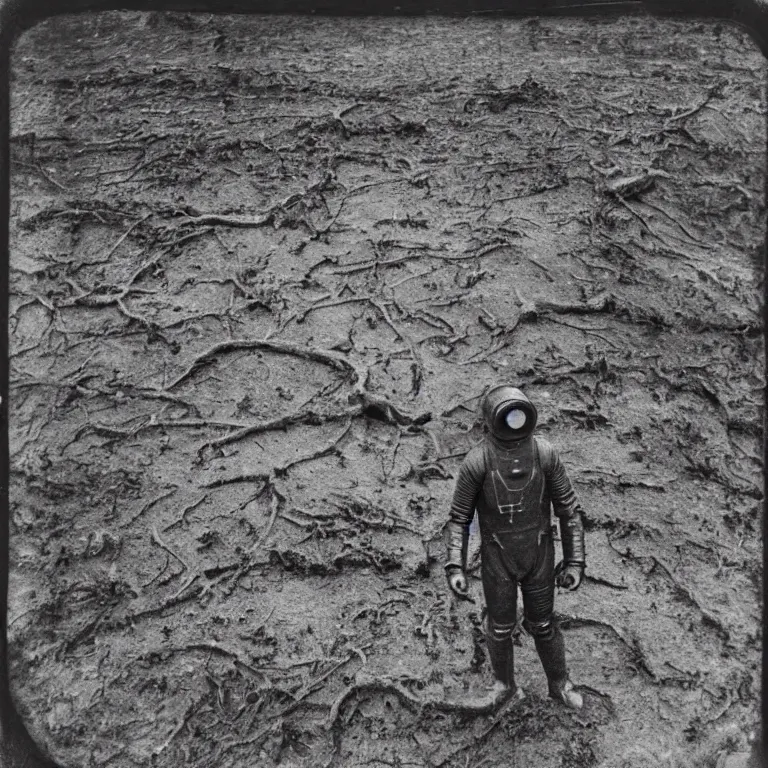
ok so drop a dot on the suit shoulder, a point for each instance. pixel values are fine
(548, 454)
(474, 461)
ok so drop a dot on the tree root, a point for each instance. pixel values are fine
(149, 506)
(372, 686)
(298, 417)
(604, 582)
(150, 423)
(84, 632)
(182, 517)
(331, 448)
(299, 700)
(498, 718)
(276, 500)
(92, 299)
(688, 596)
(363, 402)
(160, 543)
(171, 602)
(379, 306)
(629, 641)
(251, 477)
(191, 709)
(108, 255)
(215, 649)
(411, 701)
(331, 359)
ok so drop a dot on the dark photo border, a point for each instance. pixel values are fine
(17, 749)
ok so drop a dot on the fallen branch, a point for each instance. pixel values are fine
(424, 250)
(365, 405)
(315, 684)
(151, 394)
(349, 194)
(299, 700)
(379, 609)
(692, 110)
(500, 344)
(183, 588)
(706, 246)
(387, 319)
(158, 574)
(361, 509)
(39, 168)
(361, 266)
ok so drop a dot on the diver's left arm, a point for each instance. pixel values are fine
(570, 571)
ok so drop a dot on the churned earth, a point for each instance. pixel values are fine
(262, 270)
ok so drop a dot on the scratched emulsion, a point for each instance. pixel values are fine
(262, 269)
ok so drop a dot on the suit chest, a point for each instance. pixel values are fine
(514, 495)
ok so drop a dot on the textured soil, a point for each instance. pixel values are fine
(262, 271)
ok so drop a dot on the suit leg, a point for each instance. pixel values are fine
(500, 590)
(538, 603)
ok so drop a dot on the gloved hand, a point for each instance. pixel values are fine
(457, 581)
(569, 576)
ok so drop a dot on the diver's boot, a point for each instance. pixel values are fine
(565, 692)
(502, 656)
(551, 648)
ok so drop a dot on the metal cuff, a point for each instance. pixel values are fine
(572, 533)
(456, 544)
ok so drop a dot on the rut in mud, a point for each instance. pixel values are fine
(262, 270)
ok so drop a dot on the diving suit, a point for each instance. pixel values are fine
(513, 480)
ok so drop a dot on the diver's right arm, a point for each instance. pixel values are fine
(469, 484)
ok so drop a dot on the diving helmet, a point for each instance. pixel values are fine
(509, 415)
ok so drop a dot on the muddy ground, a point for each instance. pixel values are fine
(262, 270)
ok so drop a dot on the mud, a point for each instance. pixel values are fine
(262, 270)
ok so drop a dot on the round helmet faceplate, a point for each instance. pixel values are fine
(508, 413)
